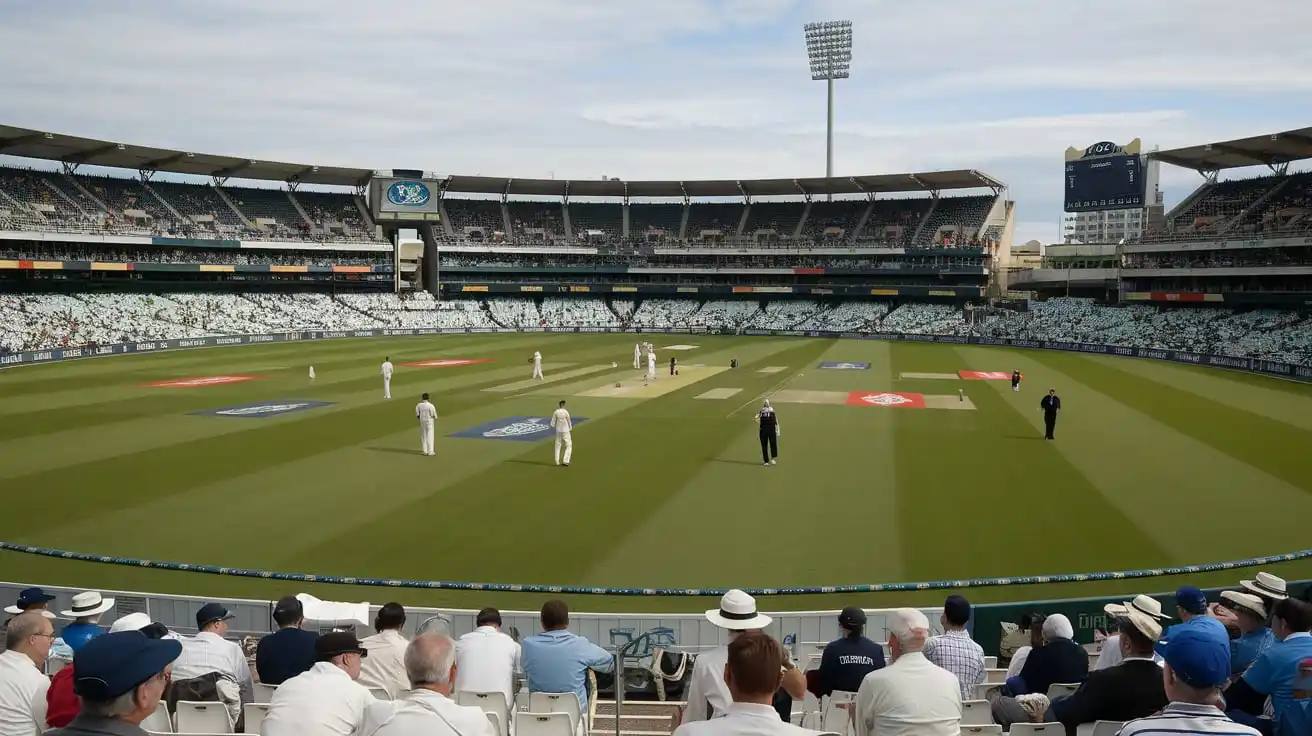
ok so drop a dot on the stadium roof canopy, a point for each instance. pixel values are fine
(1270, 150)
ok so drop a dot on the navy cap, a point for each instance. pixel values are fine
(113, 664)
(1200, 658)
(32, 597)
(852, 617)
(1191, 600)
(211, 612)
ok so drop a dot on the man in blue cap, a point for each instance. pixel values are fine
(1191, 607)
(31, 599)
(119, 679)
(1197, 667)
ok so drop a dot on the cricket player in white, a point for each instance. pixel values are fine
(537, 364)
(427, 416)
(311, 373)
(387, 378)
(637, 357)
(560, 420)
(651, 364)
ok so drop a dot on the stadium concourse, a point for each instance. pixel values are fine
(43, 322)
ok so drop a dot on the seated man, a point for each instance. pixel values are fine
(911, 696)
(1282, 673)
(1131, 689)
(753, 677)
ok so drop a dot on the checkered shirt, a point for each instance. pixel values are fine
(957, 653)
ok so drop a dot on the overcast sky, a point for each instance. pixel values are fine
(664, 88)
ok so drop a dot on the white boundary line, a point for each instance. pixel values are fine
(765, 394)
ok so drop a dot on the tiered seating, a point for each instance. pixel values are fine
(781, 217)
(475, 213)
(964, 216)
(846, 317)
(724, 314)
(924, 319)
(1214, 210)
(894, 221)
(330, 208)
(200, 200)
(122, 195)
(514, 312)
(664, 313)
(272, 204)
(783, 315)
(654, 218)
(604, 217)
(561, 312)
(40, 207)
(537, 220)
(837, 220)
(719, 216)
(1287, 209)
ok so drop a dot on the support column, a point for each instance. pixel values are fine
(430, 272)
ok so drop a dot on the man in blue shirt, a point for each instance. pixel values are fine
(1248, 615)
(289, 651)
(1191, 607)
(1283, 672)
(557, 661)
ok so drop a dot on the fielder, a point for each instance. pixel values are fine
(537, 365)
(387, 378)
(769, 431)
(312, 374)
(651, 364)
(1015, 380)
(427, 417)
(560, 420)
(637, 356)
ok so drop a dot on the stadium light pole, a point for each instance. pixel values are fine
(829, 48)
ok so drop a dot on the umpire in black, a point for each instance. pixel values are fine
(769, 422)
(1051, 406)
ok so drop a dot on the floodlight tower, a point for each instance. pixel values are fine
(829, 47)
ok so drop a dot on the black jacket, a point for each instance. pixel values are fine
(1130, 690)
(1060, 660)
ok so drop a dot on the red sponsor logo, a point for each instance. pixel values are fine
(986, 375)
(891, 399)
(447, 362)
(201, 381)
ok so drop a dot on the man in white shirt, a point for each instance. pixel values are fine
(427, 709)
(208, 652)
(564, 434)
(427, 416)
(326, 700)
(387, 377)
(23, 683)
(637, 356)
(651, 364)
(385, 667)
(752, 676)
(486, 659)
(537, 364)
(912, 696)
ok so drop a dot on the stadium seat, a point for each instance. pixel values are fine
(982, 728)
(264, 693)
(982, 689)
(255, 713)
(1062, 689)
(497, 723)
(992, 675)
(976, 713)
(380, 693)
(195, 717)
(493, 703)
(990, 662)
(159, 721)
(1103, 728)
(543, 724)
(567, 703)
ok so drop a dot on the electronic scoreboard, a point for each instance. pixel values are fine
(1104, 176)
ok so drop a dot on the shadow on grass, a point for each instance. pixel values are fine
(539, 463)
(729, 461)
(1022, 437)
(394, 451)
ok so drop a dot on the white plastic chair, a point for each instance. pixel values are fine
(1062, 689)
(255, 713)
(496, 722)
(976, 713)
(985, 728)
(159, 721)
(980, 690)
(263, 693)
(995, 675)
(207, 717)
(1100, 728)
(1037, 729)
(543, 724)
(567, 703)
(493, 703)
(380, 693)
(990, 663)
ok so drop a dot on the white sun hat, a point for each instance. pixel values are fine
(1266, 585)
(1143, 604)
(1250, 603)
(737, 612)
(88, 603)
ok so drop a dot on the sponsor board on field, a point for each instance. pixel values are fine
(845, 366)
(263, 409)
(890, 399)
(446, 362)
(987, 375)
(201, 381)
(514, 429)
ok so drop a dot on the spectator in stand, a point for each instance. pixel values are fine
(326, 699)
(487, 659)
(1059, 660)
(385, 667)
(1247, 613)
(911, 696)
(61, 701)
(847, 661)
(707, 693)
(1112, 653)
(1197, 667)
(1191, 607)
(32, 599)
(289, 651)
(1282, 673)
(752, 675)
(1028, 629)
(954, 650)
(121, 678)
(427, 708)
(87, 609)
(557, 660)
(23, 682)
(213, 659)
(1132, 689)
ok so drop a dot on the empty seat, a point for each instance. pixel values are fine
(255, 713)
(567, 703)
(197, 717)
(1100, 728)
(976, 713)
(380, 693)
(491, 703)
(990, 728)
(263, 693)
(990, 662)
(543, 724)
(995, 675)
(496, 722)
(1043, 729)
(159, 721)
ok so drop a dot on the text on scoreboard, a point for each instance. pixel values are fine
(1104, 176)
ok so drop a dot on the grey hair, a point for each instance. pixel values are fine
(429, 659)
(118, 707)
(22, 626)
(910, 627)
(1057, 626)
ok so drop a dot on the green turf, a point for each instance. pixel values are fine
(1154, 465)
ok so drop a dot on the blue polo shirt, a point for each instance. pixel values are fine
(558, 662)
(1284, 672)
(76, 635)
(1247, 648)
(1205, 624)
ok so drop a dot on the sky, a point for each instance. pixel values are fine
(668, 89)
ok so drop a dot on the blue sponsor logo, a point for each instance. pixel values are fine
(408, 194)
(846, 366)
(515, 429)
(263, 409)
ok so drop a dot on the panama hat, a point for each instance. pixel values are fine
(1147, 625)
(1141, 604)
(88, 603)
(1266, 585)
(737, 612)
(1250, 603)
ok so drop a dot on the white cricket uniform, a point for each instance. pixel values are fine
(537, 365)
(651, 366)
(311, 373)
(387, 379)
(427, 418)
(560, 420)
(637, 357)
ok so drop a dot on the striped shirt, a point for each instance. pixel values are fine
(208, 652)
(957, 653)
(1187, 718)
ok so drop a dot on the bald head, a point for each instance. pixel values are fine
(430, 662)
(30, 633)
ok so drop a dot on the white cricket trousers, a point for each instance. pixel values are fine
(651, 372)
(564, 438)
(387, 388)
(537, 370)
(426, 437)
(637, 362)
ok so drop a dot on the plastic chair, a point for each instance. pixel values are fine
(976, 713)
(493, 703)
(495, 720)
(1062, 689)
(380, 693)
(543, 724)
(1039, 729)
(255, 713)
(990, 663)
(980, 690)
(263, 693)
(995, 675)
(207, 717)
(986, 728)
(557, 703)
(1100, 728)
(159, 721)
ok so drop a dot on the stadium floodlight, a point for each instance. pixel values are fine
(829, 47)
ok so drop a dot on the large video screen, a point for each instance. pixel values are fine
(1104, 176)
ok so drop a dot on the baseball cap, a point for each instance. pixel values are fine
(211, 612)
(1200, 659)
(852, 616)
(288, 607)
(115, 663)
(1191, 600)
(334, 643)
(28, 598)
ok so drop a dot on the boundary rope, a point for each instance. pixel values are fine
(652, 592)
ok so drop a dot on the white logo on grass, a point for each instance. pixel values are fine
(518, 429)
(246, 411)
(885, 399)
